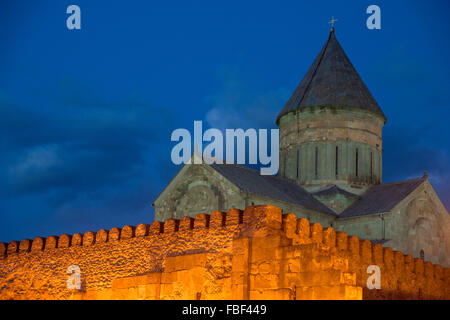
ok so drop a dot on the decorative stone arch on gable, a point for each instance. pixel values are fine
(197, 189)
(425, 232)
(200, 196)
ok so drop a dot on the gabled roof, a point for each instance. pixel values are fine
(274, 187)
(331, 81)
(382, 198)
(334, 190)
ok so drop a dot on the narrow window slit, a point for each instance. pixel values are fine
(371, 165)
(316, 162)
(337, 161)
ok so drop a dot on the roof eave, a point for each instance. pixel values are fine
(364, 215)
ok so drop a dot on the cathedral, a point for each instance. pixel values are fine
(330, 170)
(224, 231)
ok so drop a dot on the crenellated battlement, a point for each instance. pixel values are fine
(362, 252)
(258, 253)
(201, 221)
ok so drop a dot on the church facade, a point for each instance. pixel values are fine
(330, 170)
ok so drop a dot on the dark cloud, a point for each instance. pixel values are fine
(238, 104)
(408, 152)
(77, 145)
(80, 159)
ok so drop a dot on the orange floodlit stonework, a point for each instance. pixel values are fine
(258, 253)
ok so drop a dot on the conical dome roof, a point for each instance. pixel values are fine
(331, 81)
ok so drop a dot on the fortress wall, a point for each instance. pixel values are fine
(402, 276)
(256, 254)
(37, 269)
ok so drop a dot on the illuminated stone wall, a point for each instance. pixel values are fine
(258, 253)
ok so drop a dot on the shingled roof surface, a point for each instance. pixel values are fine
(274, 187)
(331, 81)
(381, 198)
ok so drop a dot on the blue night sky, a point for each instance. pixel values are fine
(86, 115)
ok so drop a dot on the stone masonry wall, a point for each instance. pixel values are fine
(258, 253)
(315, 133)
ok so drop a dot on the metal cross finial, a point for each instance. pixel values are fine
(332, 21)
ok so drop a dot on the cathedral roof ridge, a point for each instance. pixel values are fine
(403, 181)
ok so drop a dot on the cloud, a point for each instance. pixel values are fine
(408, 153)
(37, 158)
(236, 104)
(73, 161)
(78, 145)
